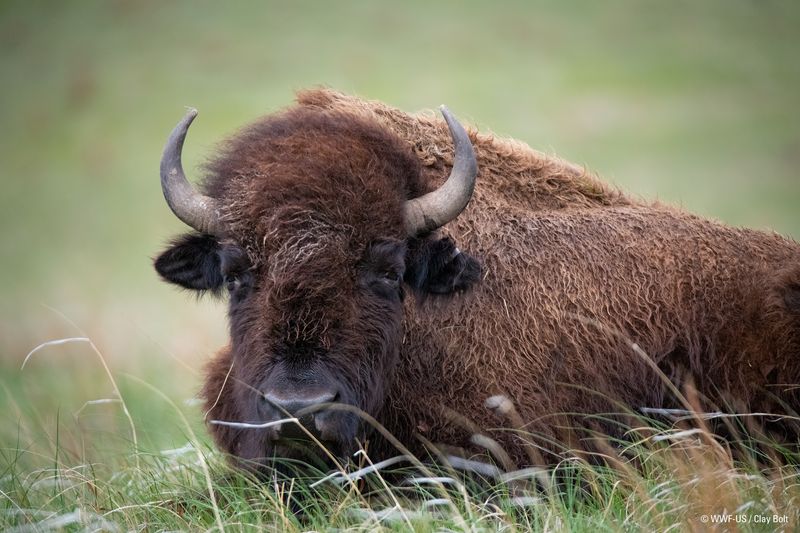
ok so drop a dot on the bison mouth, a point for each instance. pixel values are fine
(318, 441)
(325, 436)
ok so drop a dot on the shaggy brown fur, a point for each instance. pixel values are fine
(573, 272)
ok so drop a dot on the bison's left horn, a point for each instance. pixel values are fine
(195, 209)
(437, 208)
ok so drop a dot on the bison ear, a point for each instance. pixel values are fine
(436, 266)
(192, 261)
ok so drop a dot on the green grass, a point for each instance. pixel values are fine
(693, 103)
(90, 468)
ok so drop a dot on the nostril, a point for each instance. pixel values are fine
(265, 400)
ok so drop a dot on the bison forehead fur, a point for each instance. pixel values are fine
(563, 287)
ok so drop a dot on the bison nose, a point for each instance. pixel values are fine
(293, 403)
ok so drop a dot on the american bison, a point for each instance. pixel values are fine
(362, 269)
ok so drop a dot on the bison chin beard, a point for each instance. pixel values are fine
(265, 452)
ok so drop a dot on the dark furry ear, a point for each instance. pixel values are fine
(192, 261)
(436, 266)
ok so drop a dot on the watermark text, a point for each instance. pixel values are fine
(743, 518)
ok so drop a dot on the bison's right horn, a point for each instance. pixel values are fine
(437, 208)
(195, 209)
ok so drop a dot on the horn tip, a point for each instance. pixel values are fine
(451, 120)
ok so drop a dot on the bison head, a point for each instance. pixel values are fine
(315, 223)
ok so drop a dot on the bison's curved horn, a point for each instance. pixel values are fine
(193, 208)
(439, 207)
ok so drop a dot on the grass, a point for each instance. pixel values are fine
(693, 103)
(100, 468)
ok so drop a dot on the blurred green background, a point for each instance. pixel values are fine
(694, 103)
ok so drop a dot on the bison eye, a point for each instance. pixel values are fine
(391, 278)
(232, 282)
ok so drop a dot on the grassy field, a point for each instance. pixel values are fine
(692, 103)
